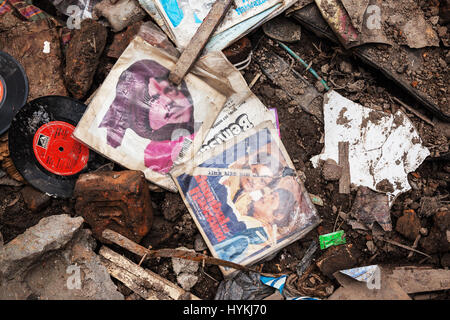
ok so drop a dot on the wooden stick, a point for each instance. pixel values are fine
(344, 181)
(415, 112)
(137, 278)
(141, 251)
(406, 247)
(199, 40)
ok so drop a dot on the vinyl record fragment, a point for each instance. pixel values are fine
(13, 89)
(42, 146)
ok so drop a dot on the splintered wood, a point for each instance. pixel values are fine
(199, 40)
(146, 254)
(145, 283)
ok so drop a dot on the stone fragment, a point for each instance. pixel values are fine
(51, 233)
(331, 171)
(408, 225)
(34, 199)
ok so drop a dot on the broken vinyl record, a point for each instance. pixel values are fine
(43, 149)
(13, 89)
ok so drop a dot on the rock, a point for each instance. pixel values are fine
(442, 31)
(199, 243)
(83, 55)
(434, 20)
(408, 225)
(187, 280)
(183, 265)
(51, 233)
(34, 199)
(119, 14)
(338, 258)
(319, 86)
(423, 231)
(325, 68)
(371, 247)
(438, 238)
(345, 67)
(73, 274)
(331, 171)
(185, 271)
(122, 39)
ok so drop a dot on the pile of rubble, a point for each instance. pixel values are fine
(280, 150)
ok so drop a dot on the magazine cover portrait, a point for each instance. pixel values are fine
(141, 120)
(246, 198)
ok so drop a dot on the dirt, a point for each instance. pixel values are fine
(302, 135)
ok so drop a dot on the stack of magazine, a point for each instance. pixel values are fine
(180, 19)
(210, 139)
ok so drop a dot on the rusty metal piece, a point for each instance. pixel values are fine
(118, 201)
(199, 40)
(147, 254)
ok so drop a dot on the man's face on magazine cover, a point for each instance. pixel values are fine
(168, 104)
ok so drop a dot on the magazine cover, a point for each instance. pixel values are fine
(246, 198)
(183, 17)
(237, 118)
(141, 120)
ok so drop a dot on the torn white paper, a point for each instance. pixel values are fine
(383, 148)
(363, 274)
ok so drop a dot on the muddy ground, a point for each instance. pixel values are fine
(302, 135)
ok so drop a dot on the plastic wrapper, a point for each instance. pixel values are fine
(244, 286)
(245, 197)
(141, 120)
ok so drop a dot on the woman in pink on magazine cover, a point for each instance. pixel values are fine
(147, 103)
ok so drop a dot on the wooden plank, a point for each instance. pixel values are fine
(344, 181)
(417, 279)
(199, 40)
(131, 281)
(156, 282)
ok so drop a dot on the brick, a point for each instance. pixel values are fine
(119, 201)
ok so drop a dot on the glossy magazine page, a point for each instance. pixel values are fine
(141, 120)
(245, 197)
(183, 17)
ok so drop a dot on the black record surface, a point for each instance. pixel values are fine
(33, 117)
(13, 89)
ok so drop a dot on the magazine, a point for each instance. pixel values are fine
(245, 197)
(183, 17)
(142, 121)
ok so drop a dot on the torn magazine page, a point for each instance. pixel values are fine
(141, 121)
(183, 17)
(245, 197)
(383, 148)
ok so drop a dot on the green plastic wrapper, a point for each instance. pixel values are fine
(332, 239)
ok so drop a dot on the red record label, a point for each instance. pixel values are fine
(2, 91)
(57, 151)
